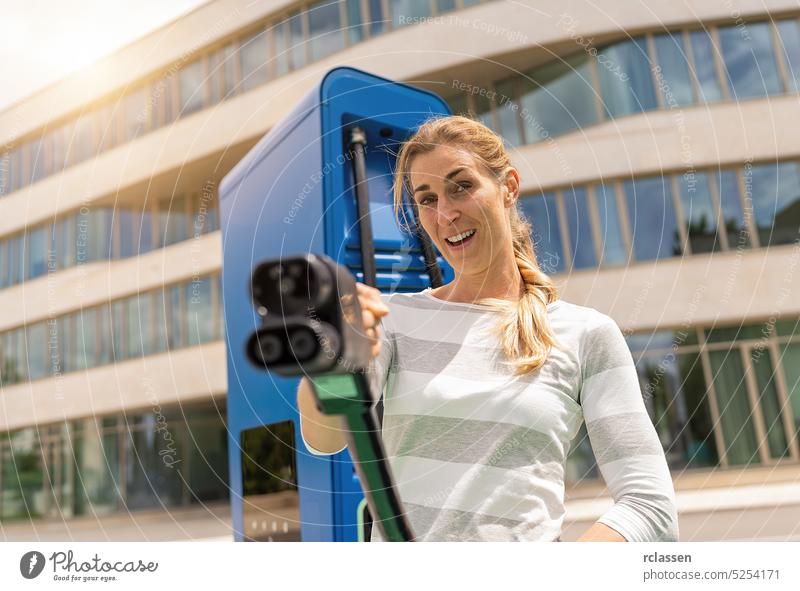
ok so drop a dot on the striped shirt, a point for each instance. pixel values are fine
(479, 454)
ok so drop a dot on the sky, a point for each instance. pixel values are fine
(42, 41)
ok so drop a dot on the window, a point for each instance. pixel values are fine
(37, 252)
(173, 220)
(204, 212)
(229, 68)
(732, 212)
(35, 159)
(160, 327)
(558, 98)
(22, 476)
(790, 359)
(3, 263)
(405, 12)
(208, 454)
(97, 467)
(736, 415)
(63, 150)
(355, 22)
(677, 403)
(145, 241)
(789, 50)
(458, 104)
(176, 311)
(37, 350)
(150, 480)
(507, 114)
(377, 22)
(53, 350)
(253, 58)
(613, 250)
(136, 114)
(13, 178)
(215, 77)
(750, 60)
(68, 344)
(65, 240)
(770, 402)
(675, 84)
(541, 212)
(199, 311)
(105, 123)
(10, 374)
(163, 101)
(135, 229)
(280, 34)
(86, 338)
(704, 63)
(190, 87)
(776, 202)
(324, 29)
(124, 228)
(626, 82)
(103, 318)
(82, 139)
(483, 110)
(297, 46)
(15, 267)
(699, 215)
(139, 327)
(118, 335)
(98, 235)
(4, 164)
(580, 228)
(652, 218)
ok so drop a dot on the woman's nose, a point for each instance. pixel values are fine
(447, 212)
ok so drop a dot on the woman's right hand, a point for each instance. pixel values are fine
(372, 310)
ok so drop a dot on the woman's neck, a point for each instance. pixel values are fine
(506, 285)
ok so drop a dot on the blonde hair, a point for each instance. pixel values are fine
(523, 330)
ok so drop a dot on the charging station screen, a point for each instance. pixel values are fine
(269, 472)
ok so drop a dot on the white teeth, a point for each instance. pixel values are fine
(460, 236)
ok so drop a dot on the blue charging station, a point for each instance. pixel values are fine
(294, 193)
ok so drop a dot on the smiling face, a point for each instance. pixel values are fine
(459, 199)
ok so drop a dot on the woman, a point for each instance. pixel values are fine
(486, 380)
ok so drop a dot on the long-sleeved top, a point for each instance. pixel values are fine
(479, 454)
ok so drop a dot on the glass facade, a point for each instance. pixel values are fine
(176, 316)
(103, 233)
(546, 233)
(680, 68)
(146, 459)
(726, 396)
(665, 216)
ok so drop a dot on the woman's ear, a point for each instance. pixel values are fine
(512, 186)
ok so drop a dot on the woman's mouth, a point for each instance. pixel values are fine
(458, 241)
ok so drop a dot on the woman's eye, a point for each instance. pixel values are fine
(426, 201)
(461, 187)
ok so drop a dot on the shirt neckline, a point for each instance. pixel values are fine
(427, 293)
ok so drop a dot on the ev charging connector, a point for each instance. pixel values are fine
(312, 326)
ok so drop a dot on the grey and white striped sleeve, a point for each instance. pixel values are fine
(625, 443)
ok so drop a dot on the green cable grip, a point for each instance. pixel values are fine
(349, 395)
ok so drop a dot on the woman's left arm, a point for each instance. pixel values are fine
(625, 443)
